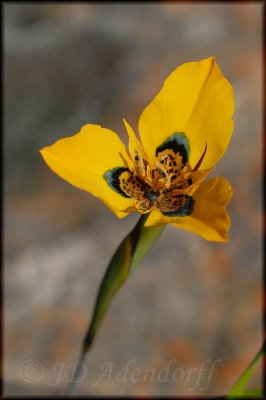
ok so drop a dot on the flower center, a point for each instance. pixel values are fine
(159, 184)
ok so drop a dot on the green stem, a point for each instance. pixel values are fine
(126, 258)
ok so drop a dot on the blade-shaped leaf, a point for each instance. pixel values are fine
(253, 393)
(240, 387)
(128, 255)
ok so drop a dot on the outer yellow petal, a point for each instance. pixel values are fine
(82, 160)
(209, 218)
(195, 99)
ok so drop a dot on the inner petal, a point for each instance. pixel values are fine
(174, 204)
(132, 185)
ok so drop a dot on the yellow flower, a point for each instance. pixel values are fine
(183, 132)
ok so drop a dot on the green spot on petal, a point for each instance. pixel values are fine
(112, 179)
(182, 211)
(178, 142)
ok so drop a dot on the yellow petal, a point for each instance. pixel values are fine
(133, 142)
(197, 176)
(209, 218)
(197, 100)
(82, 160)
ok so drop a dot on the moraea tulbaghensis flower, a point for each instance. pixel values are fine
(183, 133)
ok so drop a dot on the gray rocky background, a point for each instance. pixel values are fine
(190, 301)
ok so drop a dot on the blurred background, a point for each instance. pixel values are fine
(191, 304)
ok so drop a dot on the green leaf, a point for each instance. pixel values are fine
(126, 258)
(240, 387)
(253, 393)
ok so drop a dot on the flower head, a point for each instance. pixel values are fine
(183, 132)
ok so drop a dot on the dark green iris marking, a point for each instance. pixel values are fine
(178, 142)
(112, 178)
(183, 211)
